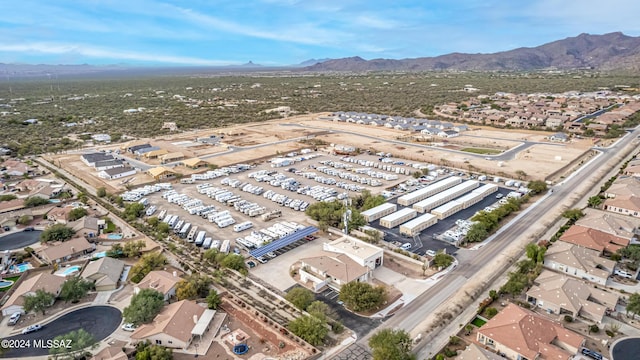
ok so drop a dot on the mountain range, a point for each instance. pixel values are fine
(613, 51)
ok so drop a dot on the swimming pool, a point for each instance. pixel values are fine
(21, 267)
(114, 236)
(99, 255)
(5, 283)
(54, 201)
(70, 270)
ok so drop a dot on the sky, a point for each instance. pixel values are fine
(285, 32)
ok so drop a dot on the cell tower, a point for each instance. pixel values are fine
(346, 217)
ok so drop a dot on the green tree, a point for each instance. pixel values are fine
(146, 351)
(153, 221)
(78, 341)
(235, 262)
(390, 344)
(195, 286)
(573, 214)
(77, 213)
(362, 296)
(133, 211)
(147, 263)
(24, 220)
(101, 192)
(442, 260)
(39, 301)
(57, 232)
(144, 306)
(594, 201)
(477, 233)
(7, 197)
(132, 249)
(74, 289)
(633, 304)
(163, 229)
(300, 297)
(309, 328)
(319, 309)
(213, 300)
(535, 253)
(116, 251)
(490, 312)
(537, 186)
(35, 201)
(516, 283)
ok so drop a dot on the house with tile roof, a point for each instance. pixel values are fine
(105, 273)
(624, 205)
(612, 223)
(594, 239)
(475, 352)
(332, 270)
(579, 262)
(110, 353)
(27, 287)
(521, 334)
(161, 281)
(56, 252)
(176, 326)
(563, 295)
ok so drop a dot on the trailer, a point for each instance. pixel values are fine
(271, 215)
(178, 226)
(162, 214)
(206, 244)
(200, 238)
(224, 222)
(432, 189)
(192, 234)
(152, 209)
(397, 218)
(415, 226)
(185, 230)
(379, 211)
(225, 247)
(144, 202)
(242, 226)
(215, 244)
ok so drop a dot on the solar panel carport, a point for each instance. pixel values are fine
(283, 242)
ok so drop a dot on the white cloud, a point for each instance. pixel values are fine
(105, 53)
(375, 22)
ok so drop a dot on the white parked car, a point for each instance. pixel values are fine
(129, 327)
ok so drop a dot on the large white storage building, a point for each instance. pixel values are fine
(447, 209)
(415, 196)
(397, 218)
(379, 211)
(441, 198)
(415, 226)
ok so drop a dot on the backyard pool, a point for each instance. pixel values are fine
(114, 236)
(70, 270)
(19, 240)
(21, 267)
(99, 255)
(54, 201)
(5, 283)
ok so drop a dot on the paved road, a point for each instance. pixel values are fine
(19, 239)
(410, 316)
(99, 321)
(627, 349)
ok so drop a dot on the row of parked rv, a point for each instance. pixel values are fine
(139, 193)
(197, 207)
(368, 171)
(354, 177)
(284, 200)
(214, 174)
(244, 206)
(276, 231)
(385, 164)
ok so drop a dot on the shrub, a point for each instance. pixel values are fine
(594, 329)
(568, 318)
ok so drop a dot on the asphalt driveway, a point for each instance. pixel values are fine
(99, 321)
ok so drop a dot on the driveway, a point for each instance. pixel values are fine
(99, 321)
(19, 239)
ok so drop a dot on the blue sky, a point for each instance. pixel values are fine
(281, 32)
